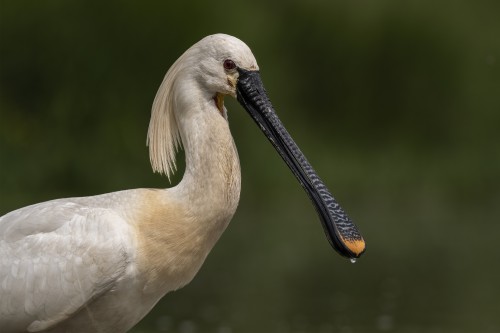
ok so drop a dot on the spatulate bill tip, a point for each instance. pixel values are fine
(356, 246)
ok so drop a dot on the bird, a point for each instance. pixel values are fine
(101, 263)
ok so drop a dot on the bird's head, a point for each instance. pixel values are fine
(219, 58)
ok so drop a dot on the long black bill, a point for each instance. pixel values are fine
(341, 232)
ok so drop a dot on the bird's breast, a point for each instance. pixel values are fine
(174, 239)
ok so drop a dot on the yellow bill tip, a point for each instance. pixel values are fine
(356, 246)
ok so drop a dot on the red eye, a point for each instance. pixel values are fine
(229, 64)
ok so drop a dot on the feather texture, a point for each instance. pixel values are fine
(56, 257)
(163, 133)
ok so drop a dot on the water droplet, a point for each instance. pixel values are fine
(353, 260)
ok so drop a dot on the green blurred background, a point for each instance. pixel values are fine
(395, 103)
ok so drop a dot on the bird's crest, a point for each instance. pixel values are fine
(163, 134)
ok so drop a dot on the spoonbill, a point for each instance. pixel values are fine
(100, 263)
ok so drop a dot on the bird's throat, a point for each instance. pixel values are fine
(219, 102)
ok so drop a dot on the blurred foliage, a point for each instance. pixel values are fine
(395, 103)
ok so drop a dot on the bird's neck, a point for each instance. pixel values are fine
(211, 182)
(183, 223)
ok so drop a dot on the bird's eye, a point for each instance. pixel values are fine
(229, 64)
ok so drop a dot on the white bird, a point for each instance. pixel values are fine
(100, 263)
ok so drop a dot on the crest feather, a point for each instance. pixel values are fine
(163, 133)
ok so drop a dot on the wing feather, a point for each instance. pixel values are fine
(55, 258)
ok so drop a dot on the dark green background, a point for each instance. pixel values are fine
(395, 103)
